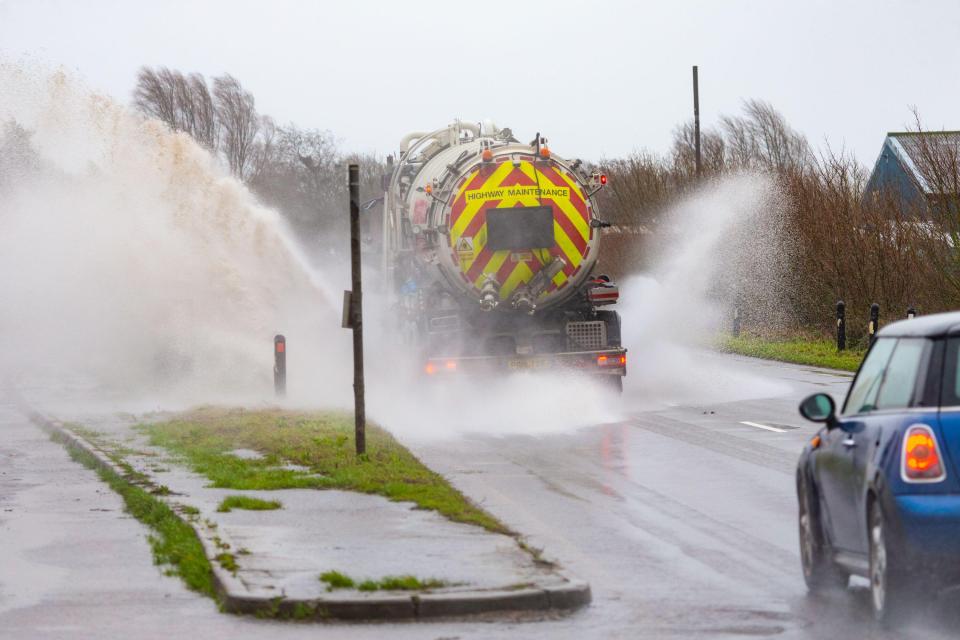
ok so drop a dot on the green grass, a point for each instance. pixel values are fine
(228, 561)
(320, 442)
(247, 502)
(817, 353)
(409, 583)
(173, 542)
(337, 580)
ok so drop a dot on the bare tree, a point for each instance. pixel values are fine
(713, 150)
(198, 111)
(155, 95)
(239, 124)
(183, 102)
(18, 156)
(762, 139)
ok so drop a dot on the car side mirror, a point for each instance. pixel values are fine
(819, 408)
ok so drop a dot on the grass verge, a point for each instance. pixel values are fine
(337, 580)
(174, 543)
(321, 448)
(249, 503)
(817, 353)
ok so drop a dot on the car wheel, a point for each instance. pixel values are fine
(891, 593)
(819, 571)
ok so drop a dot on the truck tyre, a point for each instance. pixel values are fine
(612, 383)
(612, 320)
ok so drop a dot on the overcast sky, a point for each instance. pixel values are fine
(597, 78)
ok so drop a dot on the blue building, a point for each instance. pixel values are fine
(903, 169)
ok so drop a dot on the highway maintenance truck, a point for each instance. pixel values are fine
(489, 247)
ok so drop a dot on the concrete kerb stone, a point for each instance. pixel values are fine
(236, 597)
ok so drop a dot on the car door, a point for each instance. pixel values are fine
(835, 467)
(834, 471)
(900, 401)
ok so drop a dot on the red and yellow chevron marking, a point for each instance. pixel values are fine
(503, 185)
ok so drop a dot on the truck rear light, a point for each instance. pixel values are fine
(606, 294)
(434, 367)
(922, 461)
(611, 361)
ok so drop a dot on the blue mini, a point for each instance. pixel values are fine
(879, 485)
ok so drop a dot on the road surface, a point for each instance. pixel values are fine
(681, 515)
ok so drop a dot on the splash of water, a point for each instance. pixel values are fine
(724, 241)
(132, 259)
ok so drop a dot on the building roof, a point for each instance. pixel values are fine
(907, 146)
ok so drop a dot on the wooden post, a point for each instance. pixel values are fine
(356, 312)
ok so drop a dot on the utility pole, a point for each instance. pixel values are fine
(356, 312)
(696, 121)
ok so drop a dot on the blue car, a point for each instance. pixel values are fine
(879, 485)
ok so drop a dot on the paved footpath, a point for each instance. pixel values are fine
(75, 565)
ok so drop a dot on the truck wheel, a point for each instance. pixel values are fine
(612, 320)
(612, 383)
(819, 572)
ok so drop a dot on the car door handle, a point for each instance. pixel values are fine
(849, 442)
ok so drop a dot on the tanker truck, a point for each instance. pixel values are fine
(489, 247)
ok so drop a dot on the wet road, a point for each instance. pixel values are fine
(681, 515)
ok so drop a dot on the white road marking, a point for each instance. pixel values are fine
(763, 426)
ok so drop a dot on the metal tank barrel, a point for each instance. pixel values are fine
(510, 226)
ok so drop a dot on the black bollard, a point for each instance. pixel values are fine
(841, 325)
(874, 325)
(911, 313)
(280, 365)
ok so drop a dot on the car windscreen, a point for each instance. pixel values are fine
(867, 383)
(904, 371)
(888, 378)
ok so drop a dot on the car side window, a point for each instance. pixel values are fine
(866, 386)
(950, 396)
(899, 385)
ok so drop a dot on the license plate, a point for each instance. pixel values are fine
(529, 363)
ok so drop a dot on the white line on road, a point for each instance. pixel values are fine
(763, 426)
